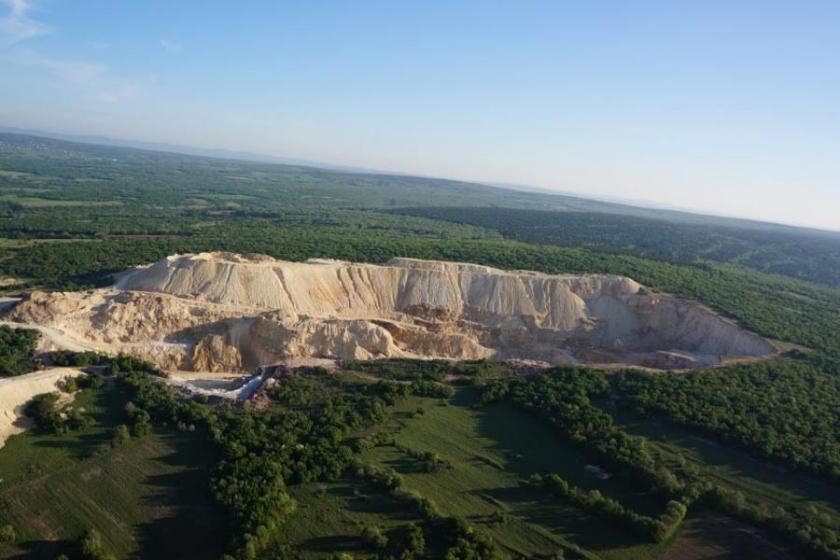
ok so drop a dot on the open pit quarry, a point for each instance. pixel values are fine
(222, 312)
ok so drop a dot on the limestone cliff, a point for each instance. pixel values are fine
(221, 311)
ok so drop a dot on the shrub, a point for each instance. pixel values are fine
(7, 534)
(43, 410)
(372, 536)
(121, 436)
(423, 388)
(68, 385)
(66, 358)
(414, 543)
(90, 381)
(93, 547)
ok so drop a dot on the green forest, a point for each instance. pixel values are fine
(808, 255)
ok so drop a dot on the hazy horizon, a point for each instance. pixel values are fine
(281, 160)
(720, 109)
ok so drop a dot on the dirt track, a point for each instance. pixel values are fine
(53, 338)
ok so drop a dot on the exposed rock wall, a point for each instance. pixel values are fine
(219, 311)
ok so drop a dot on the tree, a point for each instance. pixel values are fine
(68, 385)
(415, 544)
(93, 547)
(372, 536)
(43, 409)
(121, 436)
(7, 534)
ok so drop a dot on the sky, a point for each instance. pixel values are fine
(717, 106)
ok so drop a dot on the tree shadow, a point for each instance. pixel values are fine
(533, 506)
(740, 462)
(405, 465)
(188, 522)
(109, 403)
(337, 543)
(77, 447)
(43, 550)
(528, 446)
(712, 535)
(363, 497)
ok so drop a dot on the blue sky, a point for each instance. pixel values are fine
(719, 106)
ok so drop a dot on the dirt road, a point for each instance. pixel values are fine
(54, 339)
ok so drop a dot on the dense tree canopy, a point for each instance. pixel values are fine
(17, 350)
(785, 409)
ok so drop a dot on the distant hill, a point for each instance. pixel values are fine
(806, 254)
(554, 200)
(137, 191)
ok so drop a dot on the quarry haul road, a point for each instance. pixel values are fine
(56, 337)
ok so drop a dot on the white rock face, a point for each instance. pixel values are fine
(227, 312)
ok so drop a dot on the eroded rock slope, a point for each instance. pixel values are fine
(227, 312)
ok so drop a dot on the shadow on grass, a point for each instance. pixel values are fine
(726, 456)
(333, 544)
(711, 535)
(529, 446)
(43, 550)
(405, 465)
(154, 495)
(534, 506)
(187, 522)
(362, 497)
(106, 410)
(77, 447)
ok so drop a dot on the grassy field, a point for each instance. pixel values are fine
(492, 450)
(143, 494)
(330, 517)
(149, 498)
(710, 536)
(757, 479)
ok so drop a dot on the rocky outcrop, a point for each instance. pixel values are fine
(220, 311)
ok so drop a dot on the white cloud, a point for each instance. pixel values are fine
(67, 70)
(17, 26)
(170, 46)
(93, 80)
